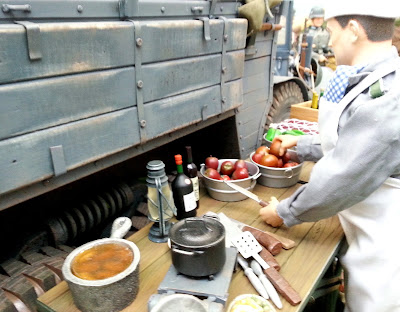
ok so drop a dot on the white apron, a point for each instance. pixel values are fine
(372, 227)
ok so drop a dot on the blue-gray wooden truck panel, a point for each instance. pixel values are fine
(117, 9)
(80, 47)
(257, 93)
(39, 104)
(93, 114)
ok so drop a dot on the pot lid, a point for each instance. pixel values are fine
(197, 232)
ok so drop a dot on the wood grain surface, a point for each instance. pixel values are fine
(302, 266)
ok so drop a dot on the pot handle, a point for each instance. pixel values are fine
(188, 253)
(288, 173)
(256, 176)
(196, 220)
(120, 227)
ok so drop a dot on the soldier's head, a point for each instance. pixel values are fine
(317, 16)
(355, 28)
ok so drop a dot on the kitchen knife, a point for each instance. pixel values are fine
(254, 280)
(286, 242)
(267, 284)
(247, 193)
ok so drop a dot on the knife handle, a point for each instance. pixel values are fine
(272, 244)
(282, 286)
(256, 282)
(269, 258)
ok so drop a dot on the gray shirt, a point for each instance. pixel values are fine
(366, 154)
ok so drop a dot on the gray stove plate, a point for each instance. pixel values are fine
(217, 288)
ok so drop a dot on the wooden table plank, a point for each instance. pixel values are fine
(302, 266)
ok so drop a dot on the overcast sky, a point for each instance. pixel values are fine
(303, 7)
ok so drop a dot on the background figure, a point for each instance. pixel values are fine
(320, 35)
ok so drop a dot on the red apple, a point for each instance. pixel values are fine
(225, 177)
(257, 157)
(227, 168)
(240, 173)
(240, 164)
(212, 174)
(212, 162)
(290, 164)
(286, 157)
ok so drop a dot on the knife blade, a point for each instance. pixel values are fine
(247, 193)
(286, 242)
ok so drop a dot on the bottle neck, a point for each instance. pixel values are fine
(179, 168)
(189, 154)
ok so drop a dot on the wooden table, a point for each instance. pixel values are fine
(302, 266)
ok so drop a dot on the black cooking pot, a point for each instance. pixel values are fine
(198, 246)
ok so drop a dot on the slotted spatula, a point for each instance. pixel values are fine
(248, 247)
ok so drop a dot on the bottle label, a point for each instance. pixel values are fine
(195, 182)
(189, 201)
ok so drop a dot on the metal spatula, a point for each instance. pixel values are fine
(248, 246)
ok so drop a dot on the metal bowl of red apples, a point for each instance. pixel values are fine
(275, 170)
(238, 171)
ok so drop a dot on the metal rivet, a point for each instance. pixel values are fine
(221, 8)
(140, 84)
(226, 37)
(139, 42)
(163, 9)
(143, 123)
(223, 100)
(79, 8)
(224, 70)
(240, 136)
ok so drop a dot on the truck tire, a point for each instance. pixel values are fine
(285, 94)
(24, 279)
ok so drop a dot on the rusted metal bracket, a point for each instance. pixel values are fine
(122, 9)
(206, 27)
(203, 112)
(224, 68)
(213, 4)
(270, 26)
(58, 159)
(8, 8)
(139, 82)
(33, 39)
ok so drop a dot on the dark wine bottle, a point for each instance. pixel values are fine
(182, 190)
(191, 169)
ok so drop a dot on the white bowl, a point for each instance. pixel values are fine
(264, 304)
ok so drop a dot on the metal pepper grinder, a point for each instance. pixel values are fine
(159, 200)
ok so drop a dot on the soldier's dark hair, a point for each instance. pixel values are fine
(377, 28)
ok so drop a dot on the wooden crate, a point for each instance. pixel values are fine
(304, 111)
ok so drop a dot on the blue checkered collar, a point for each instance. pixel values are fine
(339, 82)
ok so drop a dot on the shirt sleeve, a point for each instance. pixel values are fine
(309, 148)
(366, 154)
